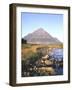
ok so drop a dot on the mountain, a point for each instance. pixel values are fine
(40, 36)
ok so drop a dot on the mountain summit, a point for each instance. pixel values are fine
(40, 36)
(40, 30)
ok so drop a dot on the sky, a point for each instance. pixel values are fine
(52, 23)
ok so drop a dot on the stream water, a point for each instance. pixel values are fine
(57, 55)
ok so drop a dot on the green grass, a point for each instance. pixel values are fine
(26, 45)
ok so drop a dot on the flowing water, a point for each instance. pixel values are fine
(57, 56)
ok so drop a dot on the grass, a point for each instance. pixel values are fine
(29, 49)
(26, 45)
(30, 55)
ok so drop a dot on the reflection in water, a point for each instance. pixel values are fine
(56, 53)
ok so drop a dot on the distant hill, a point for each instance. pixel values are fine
(40, 36)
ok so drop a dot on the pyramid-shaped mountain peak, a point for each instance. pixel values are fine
(40, 36)
(40, 31)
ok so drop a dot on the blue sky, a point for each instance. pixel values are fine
(52, 23)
